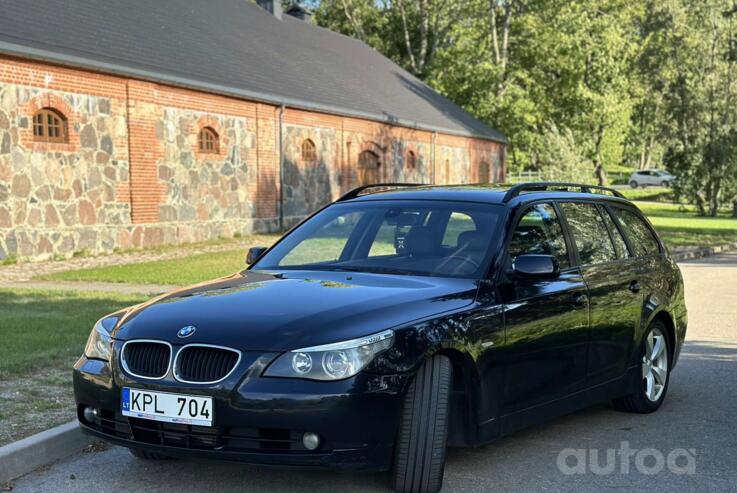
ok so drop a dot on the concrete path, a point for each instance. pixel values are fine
(697, 419)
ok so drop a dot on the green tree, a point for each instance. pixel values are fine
(636, 83)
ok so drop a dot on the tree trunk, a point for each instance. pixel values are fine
(699, 202)
(734, 208)
(599, 171)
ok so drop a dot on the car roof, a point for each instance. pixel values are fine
(482, 193)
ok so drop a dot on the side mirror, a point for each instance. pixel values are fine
(254, 253)
(533, 265)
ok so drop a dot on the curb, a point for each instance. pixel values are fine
(703, 252)
(21, 457)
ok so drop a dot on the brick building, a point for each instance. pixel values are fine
(138, 123)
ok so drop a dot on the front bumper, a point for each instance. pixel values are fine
(257, 420)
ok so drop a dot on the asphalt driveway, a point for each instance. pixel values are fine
(689, 445)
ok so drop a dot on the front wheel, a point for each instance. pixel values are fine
(654, 375)
(419, 457)
(633, 184)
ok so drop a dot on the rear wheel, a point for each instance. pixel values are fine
(419, 457)
(146, 455)
(652, 379)
(633, 184)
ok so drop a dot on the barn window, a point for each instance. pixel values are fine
(411, 161)
(309, 151)
(49, 125)
(208, 141)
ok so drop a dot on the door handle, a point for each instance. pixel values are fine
(635, 287)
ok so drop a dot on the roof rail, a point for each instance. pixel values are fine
(547, 185)
(357, 191)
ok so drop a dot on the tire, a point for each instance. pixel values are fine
(419, 456)
(633, 184)
(665, 184)
(644, 400)
(146, 455)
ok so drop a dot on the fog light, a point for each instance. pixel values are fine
(310, 441)
(90, 414)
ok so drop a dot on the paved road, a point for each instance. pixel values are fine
(697, 418)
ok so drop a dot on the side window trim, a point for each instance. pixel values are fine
(570, 242)
(573, 257)
(615, 220)
(604, 212)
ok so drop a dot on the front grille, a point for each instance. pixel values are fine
(148, 359)
(235, 439)
(204, 364)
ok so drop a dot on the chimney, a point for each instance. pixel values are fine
(273, 6)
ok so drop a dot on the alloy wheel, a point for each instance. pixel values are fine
(655, 364)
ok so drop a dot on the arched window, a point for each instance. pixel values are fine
(368, 168)
(484, 175)
(49, 125)
(309, 151)
(411, 160)
(208, 141)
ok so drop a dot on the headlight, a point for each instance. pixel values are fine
(331, 361)
(98, 344)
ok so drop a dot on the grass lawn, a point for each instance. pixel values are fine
(39, 329)
(649, 194)
(179, 271)
(679, 226)
(42, 334)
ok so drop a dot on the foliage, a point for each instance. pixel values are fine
(561, 158)
(633, 84)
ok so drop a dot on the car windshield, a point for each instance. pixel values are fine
(425, 238)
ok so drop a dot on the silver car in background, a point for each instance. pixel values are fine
(651, 178)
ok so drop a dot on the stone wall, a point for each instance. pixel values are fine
(206, 188)
(61, 198)
(131, 173)
(309, 185)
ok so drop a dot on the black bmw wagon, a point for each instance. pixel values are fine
(390, 325)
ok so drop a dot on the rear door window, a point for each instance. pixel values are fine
(642, 238)
(589, 233)
(539, 231)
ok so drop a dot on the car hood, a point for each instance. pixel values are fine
(279, 311)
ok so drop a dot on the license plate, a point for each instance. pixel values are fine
(170, 408)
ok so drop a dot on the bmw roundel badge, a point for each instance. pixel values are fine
(186, 331)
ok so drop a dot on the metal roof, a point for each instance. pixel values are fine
(231, 47)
